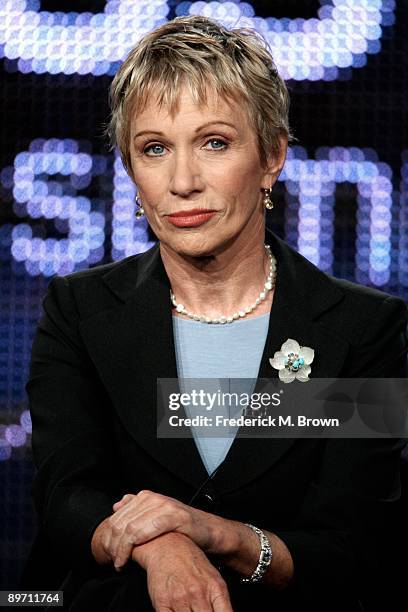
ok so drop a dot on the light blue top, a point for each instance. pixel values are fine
(218, 352)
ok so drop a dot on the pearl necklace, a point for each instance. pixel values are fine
(268, 286)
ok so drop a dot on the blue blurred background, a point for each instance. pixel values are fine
(67, 204)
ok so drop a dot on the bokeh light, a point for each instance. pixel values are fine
(341, 36)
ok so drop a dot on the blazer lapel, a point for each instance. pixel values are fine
(302, 294)
(132, 345)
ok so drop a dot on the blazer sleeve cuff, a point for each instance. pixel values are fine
(324, 565)
(84, 510)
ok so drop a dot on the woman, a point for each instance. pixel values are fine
(200, 116)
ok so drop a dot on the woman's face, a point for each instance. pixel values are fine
(202, 158)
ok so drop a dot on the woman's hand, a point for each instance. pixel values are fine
(140, 518)
(179, 575)
(180, 578)
(140, 521)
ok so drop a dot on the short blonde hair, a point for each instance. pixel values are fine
(201, 53)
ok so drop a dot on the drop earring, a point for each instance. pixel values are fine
(267, 201)
(140, 212)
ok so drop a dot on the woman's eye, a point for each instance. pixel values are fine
(157, 149)
(219, 141)
(154, 146)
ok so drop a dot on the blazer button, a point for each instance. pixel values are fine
(209, 498)
(209, 501)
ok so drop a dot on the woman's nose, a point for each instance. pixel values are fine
(185, 176)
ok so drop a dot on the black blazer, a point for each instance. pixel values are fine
(103, 340)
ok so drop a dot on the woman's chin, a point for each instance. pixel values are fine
(194, 252)
(192, 247)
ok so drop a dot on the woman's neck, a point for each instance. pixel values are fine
(221, 284)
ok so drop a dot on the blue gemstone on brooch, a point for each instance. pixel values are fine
(293, 362)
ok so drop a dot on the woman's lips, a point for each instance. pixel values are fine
(191, 219)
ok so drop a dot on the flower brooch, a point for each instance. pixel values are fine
(293, 361)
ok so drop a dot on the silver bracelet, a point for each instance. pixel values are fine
(265, 556)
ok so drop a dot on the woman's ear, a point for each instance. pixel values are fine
(275, 163)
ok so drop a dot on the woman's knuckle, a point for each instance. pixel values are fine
(105, 543)
(178, 598)
(130, 528)
(201, 594)
(183, 514)
(161, 603)
(116, 529)
(219, 585)
(158, 522)
(111, 521)
(143, 493)
(223, 597)
(195, 589)
(178, 591)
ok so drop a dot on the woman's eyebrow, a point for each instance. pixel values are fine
(215, 122)
(147, 132)
(204, 125)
